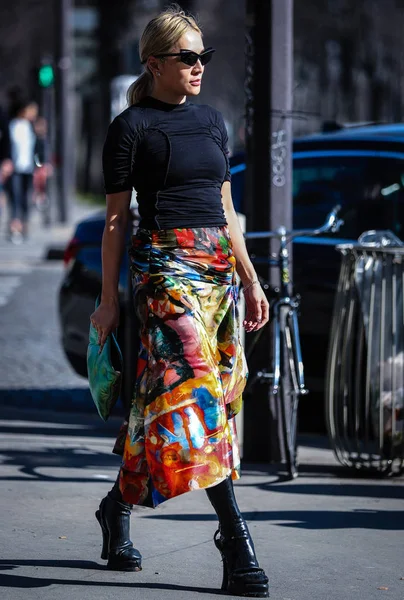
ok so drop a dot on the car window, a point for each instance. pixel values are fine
(370, 191)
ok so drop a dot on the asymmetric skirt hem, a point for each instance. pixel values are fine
(181, 433)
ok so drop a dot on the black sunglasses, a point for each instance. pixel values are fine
(190, 58)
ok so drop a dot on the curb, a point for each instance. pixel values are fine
(70, 400)
(66, 400)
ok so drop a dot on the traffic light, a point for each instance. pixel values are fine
(46, 75)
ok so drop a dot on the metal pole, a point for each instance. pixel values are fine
(269, 105)
(281, 97)
(269, 81)
(46, 101)
(64, 145)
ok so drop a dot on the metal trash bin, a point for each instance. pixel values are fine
(365, 372)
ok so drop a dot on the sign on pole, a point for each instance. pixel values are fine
(268, 205)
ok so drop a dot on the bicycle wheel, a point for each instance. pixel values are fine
(289, 386)
(257, 346)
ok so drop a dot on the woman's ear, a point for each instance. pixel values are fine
(153, 65)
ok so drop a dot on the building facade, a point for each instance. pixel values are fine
(348, 59)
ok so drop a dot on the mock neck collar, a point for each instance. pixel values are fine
(150, 102)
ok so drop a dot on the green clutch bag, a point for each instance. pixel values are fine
(104, 371)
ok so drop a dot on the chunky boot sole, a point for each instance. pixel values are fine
(249, 591)
(116, 562)
(249, 581)
(243, 583)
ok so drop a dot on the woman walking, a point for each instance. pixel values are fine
(23, 142)
(180, 435)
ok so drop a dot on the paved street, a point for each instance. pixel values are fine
(32, 357)
(325, 536)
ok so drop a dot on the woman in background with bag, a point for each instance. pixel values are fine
(180, 435)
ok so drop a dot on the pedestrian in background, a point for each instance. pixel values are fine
(6, 164)
(43, 167)
(23, 113)
(180, 435)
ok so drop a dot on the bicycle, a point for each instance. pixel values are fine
(286, 377)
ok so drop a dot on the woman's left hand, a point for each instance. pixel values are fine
(257, 308)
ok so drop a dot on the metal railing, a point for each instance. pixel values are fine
(365, 373)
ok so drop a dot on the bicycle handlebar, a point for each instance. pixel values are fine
(332, 224)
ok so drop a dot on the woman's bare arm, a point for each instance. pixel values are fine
(245, 268)
(106, 317)
(113, 242)
(257, 304)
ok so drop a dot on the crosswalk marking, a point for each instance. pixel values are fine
(8, 285)
(14, 268)
(13, 271)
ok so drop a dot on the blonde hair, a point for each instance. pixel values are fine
(159, 37)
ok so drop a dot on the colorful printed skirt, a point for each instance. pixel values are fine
(191, 371)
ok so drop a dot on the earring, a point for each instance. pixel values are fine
(158, 73)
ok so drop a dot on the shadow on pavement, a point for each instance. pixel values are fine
(25, 582)
(8, 564)
(53, 424)
(279, 470)
(392, 520)
(31, 462)
(366, 490)
(312, 469)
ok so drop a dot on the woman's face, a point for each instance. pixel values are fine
(31, 111)
(175, 77)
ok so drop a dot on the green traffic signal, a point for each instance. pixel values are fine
(46, 76)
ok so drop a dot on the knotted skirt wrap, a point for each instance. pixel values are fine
(191, 371)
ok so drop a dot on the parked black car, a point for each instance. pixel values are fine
(360, 168)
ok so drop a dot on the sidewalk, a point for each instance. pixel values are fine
(33, 368)
(324, 536)
(41, 238)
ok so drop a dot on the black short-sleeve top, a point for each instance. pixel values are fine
(175, 156)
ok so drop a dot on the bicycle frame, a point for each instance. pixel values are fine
(287, 378)
(293, 344)
(292, 303)
(281, 260)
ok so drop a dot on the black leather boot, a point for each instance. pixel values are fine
(114, 518)
(242, 575)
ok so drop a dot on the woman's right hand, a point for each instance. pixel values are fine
(105, 319)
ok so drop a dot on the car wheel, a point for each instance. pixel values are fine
(79, 364)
